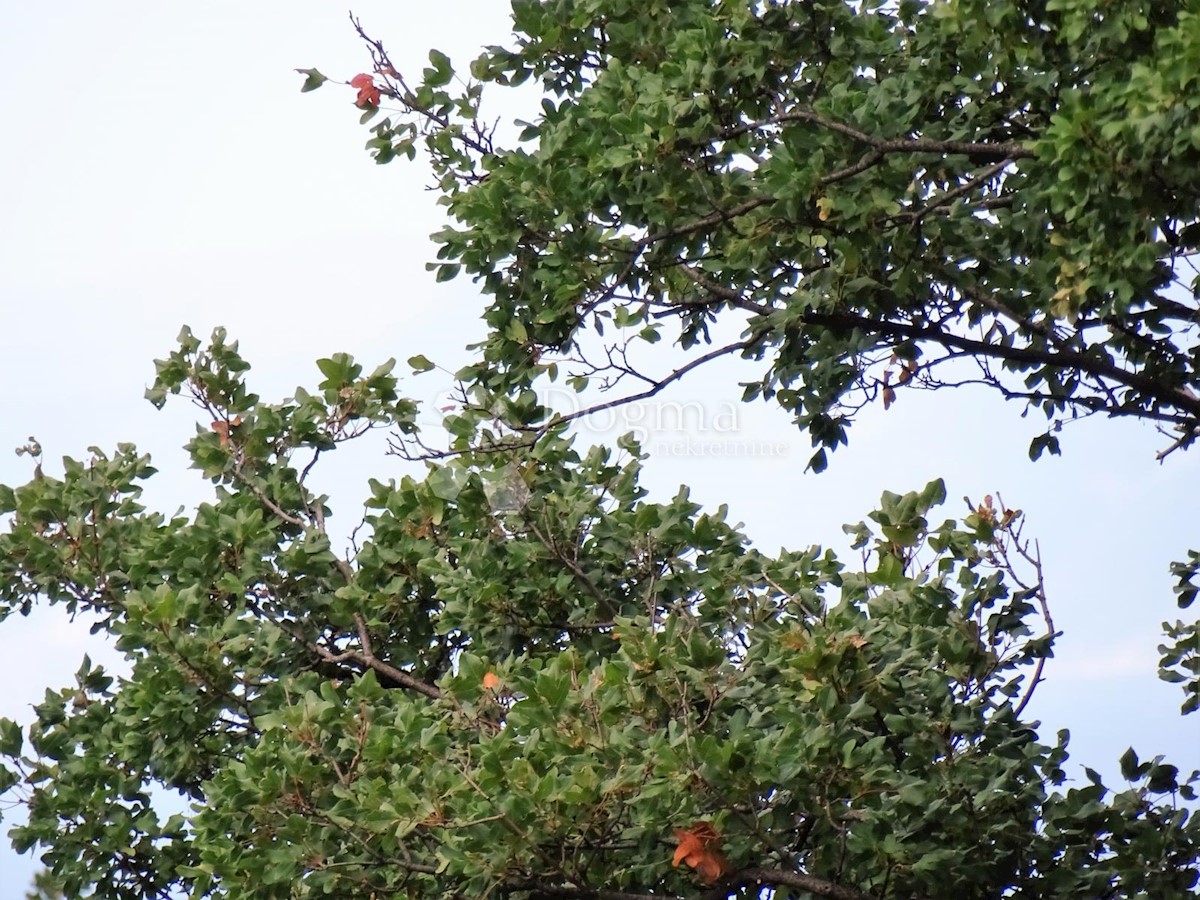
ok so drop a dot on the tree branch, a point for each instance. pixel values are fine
(998, 151)
(775, 877)
(367, 659)
(745, 878)
(605, 603)
(657, 386)
(1061, 359)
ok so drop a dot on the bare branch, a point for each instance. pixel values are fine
(659, 385)
(1184, 441)
(1039, 590)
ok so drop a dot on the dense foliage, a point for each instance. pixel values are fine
(529, 681)
(525, 679)
(870, 190)
(878, 196)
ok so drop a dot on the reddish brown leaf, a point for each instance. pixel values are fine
(700, 849)
(368, 92)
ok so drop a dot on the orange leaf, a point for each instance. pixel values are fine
(491, 681)
(700, 849)
(368, 92)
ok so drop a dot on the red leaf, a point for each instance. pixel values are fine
(368, 92)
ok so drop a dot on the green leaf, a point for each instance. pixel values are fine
(340, 370)
(313, 79)
(441, 72)
(1042, 443)
(10, 738)
(1129, 765)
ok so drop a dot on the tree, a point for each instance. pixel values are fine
(525, 679)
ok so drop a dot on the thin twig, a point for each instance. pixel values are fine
(1185, 440)
(658, 386)
(268, 502)
(1040, 592)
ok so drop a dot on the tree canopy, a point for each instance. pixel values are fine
(526, 679)
(871, 191)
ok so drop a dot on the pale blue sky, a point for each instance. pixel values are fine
(160, 167)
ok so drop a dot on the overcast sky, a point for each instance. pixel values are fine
(160, 167)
